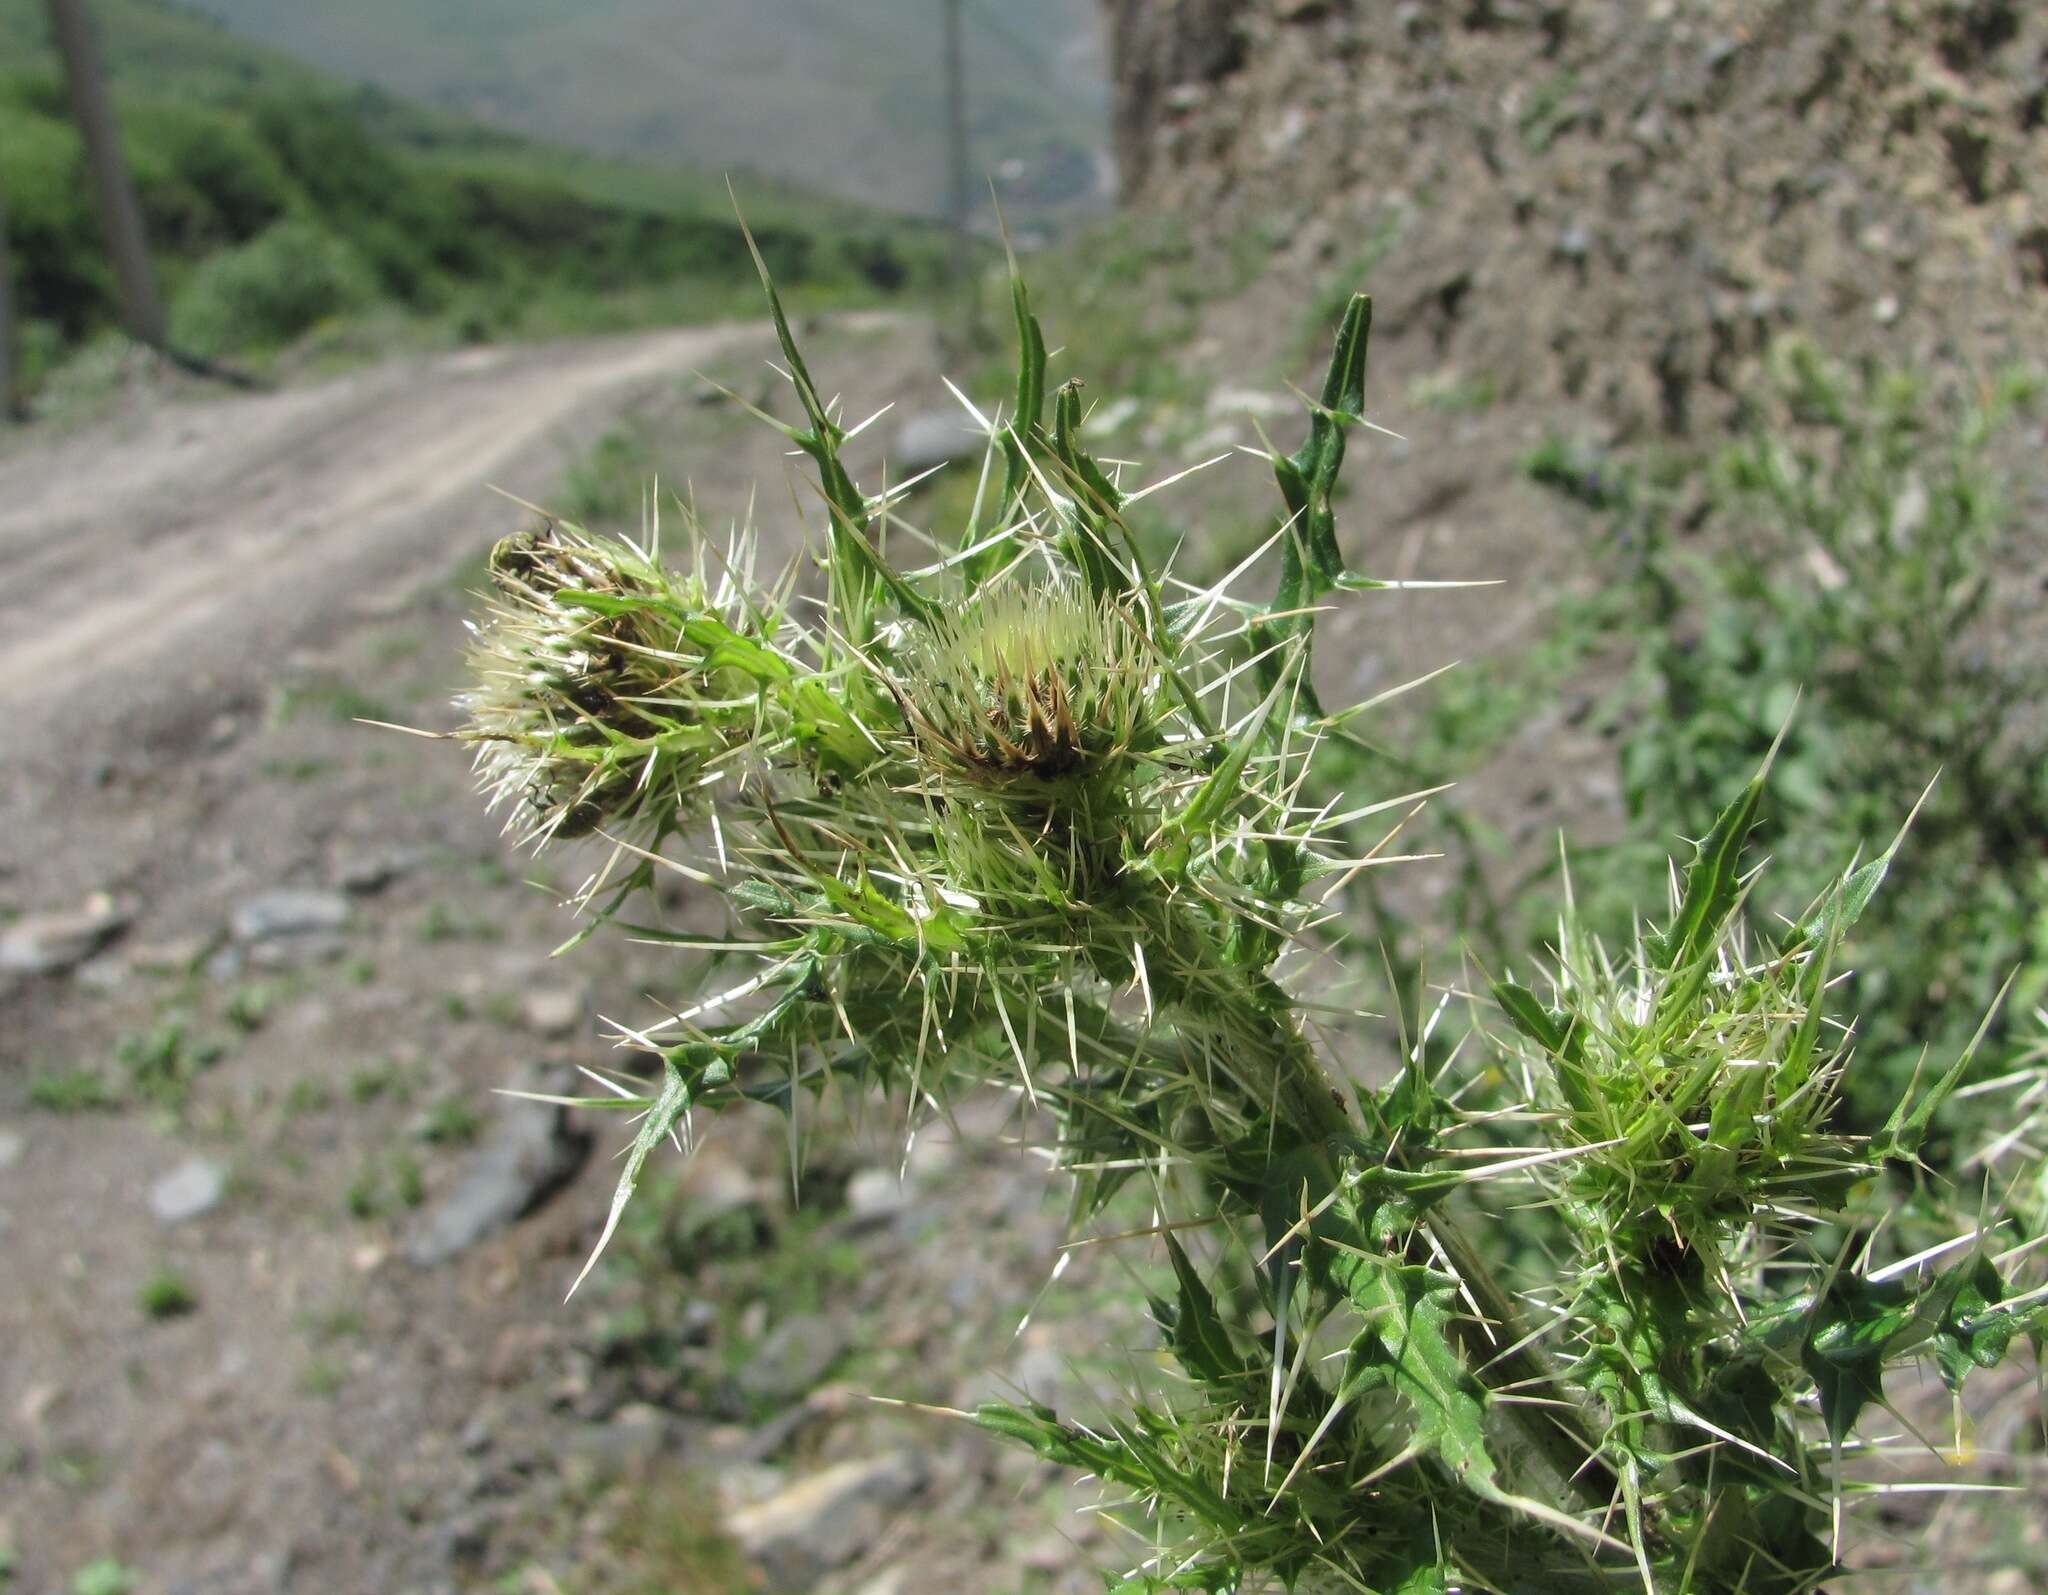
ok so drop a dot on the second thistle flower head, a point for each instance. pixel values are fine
(1030, 688)
(599, 702)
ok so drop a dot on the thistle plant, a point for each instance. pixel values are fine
(1601, 1303)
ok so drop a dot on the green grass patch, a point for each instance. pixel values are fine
(324, 700)
(386, 1185)
(453, 1121)
(161, 1064)
(167, 1294)
(72, 1090)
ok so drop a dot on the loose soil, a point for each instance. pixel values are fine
(206, 595)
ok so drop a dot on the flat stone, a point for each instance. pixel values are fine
(12, 1144)
(927, 438)
(716, 1181)
(292, 952)
(1111, 416)
(743, 1482)
(874, 1196)
(290, 911)
(531, 1151)
(632, 1438)
(793, 1358)
(1041, 1373)
(1230, 400)
(175, 955)
(49, 944)
(825, 1521)
(554, 1011)
(191, 1190)
(106, 973)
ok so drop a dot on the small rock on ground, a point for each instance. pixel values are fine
(49, 944)
(934, 437)
(189, 1191)
(532, 1152)
(793, 1358)
(553, 1011)
(368, 871)
(873, 1196)
(175, 955)
(826, 1520)
(636, 1434)
(290, 912)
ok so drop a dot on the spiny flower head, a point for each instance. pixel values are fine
(1030, 688)
(610, 691)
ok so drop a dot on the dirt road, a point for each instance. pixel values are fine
(174, 554)
(225, 1364)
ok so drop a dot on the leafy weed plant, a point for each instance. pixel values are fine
(1033, 814)
(1859, 532)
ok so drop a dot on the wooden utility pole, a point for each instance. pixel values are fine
(11, 405)
(120, 215)
(956, 137)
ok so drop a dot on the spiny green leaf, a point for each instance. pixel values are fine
(1908, 1125)
(855, 568)
(1026, 418)
(1311, 564)
(1196, 1335)
(1971, 1335)
(1213, 1578)
(1223, 788)
(669, 1107)
(1557, 1033)
(1409, 1324)
(1097, 503)
(1713, 883)
(1855, 1329)
(1308, 477)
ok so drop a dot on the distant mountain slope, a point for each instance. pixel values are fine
(280, 200)
(848, 98)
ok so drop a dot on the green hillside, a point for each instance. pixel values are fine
(844, 98)
(279, 200)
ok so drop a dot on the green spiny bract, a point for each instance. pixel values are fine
(611, 693)
(1034, 815)
(1034, 690)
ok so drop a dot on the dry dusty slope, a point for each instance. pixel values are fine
(202, 596)
(1615, 204)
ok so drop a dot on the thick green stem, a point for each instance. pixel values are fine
(1279, 1069)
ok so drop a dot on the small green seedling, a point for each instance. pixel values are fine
(167, 1294)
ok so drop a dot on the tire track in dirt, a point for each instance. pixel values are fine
(146, 562)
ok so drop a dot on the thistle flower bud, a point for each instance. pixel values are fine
(1031, 689)
(609, 690)
(1030, 713)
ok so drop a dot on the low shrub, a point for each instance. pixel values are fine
(266, 292)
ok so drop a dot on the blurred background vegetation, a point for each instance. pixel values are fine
(282, 203)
